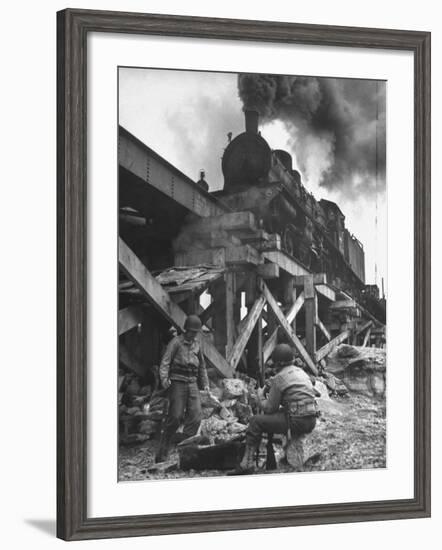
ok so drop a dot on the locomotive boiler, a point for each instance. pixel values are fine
(263, 180)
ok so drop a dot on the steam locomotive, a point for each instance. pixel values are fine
(313, 232)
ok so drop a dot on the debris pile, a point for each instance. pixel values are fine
(227, 409)
(350, 432)
(361, 369)
(141, 409)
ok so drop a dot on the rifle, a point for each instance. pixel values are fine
(270, 459)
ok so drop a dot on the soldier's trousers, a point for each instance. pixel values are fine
(276, 423)
(184, 405)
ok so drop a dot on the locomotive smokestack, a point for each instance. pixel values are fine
(251, 116)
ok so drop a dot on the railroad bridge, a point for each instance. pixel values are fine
(181, 250)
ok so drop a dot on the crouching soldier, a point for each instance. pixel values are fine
(289, 408)
(183, 373)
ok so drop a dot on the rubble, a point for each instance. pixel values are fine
(350, 432)
(360, 369)
(234, 388)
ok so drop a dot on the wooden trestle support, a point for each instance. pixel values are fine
(258, 280)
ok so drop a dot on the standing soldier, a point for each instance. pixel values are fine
(182, 373)
(290, 407)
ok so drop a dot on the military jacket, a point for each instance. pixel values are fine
(291, 386)
(184, 361)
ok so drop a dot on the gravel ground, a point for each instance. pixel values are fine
(350, 434)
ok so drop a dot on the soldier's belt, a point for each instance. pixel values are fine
(306, 408)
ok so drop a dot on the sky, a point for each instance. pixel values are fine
(333, 128)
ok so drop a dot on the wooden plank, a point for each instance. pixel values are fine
(129, 318)
(296, 308)
(285, 262)
(318, 279)
(159, 298)
(268, 271)
(288, 330)
(269, 345)
(326, 292)
(325, 350)
(238, 349)
(323, 329)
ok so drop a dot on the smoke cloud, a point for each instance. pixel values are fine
(337, 126)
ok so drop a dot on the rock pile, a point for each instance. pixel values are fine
(361, 369)
(141, 410)
(227, 409)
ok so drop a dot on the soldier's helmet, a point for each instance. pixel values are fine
(282, 353)
(192, 322)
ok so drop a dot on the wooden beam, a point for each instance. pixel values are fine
(295, 309)
(128, 318)
(149, 286)
(318, 279)
(159, 298)
(311, 314)
(209, 256)
(344, 304)
(323, 329)
(244, 254)
(326, 292)
(230, 306)
(285, 262)
(288, 330)
(269, 345)
(268, 271)
(366, 337)
(207, 313)
(234, 355)
(231, 221)
(365, 326)
(328, 348)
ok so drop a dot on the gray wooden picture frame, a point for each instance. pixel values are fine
(73, 27)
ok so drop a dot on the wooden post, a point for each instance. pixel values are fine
(230, 311)
(289, 295)
(311, 314)
(255, 360)
(219, 317)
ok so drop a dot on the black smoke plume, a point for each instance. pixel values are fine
(337, 126)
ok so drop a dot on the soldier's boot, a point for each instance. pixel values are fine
(295, 453)
(163, 449)
(247, 464)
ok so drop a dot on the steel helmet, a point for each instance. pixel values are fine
(192, 322)
(282, 354)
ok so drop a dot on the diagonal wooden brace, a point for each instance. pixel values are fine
(296, 342)
(247, 327)
(159, 298)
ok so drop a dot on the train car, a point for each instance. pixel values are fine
(264, 181)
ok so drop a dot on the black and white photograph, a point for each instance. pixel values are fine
(252, 274)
